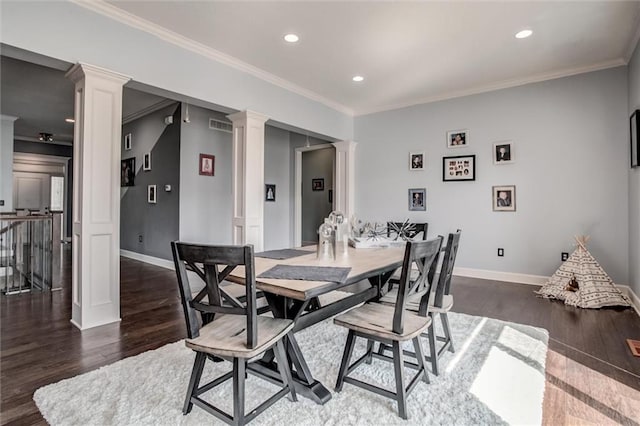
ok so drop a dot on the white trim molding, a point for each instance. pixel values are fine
(163, 263)
(510, 277)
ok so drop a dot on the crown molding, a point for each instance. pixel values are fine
(148, 110)
(124, 17)
(537, 78)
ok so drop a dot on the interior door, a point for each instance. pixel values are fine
(31, 190)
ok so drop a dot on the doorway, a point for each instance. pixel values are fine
(314, 184)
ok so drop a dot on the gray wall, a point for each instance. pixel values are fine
(634, 181)
(315, 204)
(570, 171)
(158, 224)
(6, 164)
(277, 215)
(205, 205)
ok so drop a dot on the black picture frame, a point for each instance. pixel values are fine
(128, 172)
(270, 192)
(634, 124)
(459, 168)
(317, 184)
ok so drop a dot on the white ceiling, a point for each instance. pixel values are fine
(408, 52)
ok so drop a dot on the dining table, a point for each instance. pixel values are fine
(297, 299)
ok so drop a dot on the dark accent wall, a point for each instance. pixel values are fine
(158, 224)
(58, 151)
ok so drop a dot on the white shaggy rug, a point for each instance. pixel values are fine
(496, 376)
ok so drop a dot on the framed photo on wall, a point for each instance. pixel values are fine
(146, 162)
(457, 138)
(128, 171)
(127, 142)
(151, 194)
(207, 165)
(270, 192)
(633, 125)
(504, 198)
(418, 199)
(503, 152)
(317, 184)
(416, 161)
(459, 168)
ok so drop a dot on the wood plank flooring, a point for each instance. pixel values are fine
(592, 378)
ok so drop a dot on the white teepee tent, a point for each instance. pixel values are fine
(595, 288)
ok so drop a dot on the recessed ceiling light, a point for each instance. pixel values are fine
(524, 34)
(291, 38)
(69, 120)
(358, 78)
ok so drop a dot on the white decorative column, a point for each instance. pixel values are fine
(345, 177)
(96, 196)
(6, 163)
(248, 178)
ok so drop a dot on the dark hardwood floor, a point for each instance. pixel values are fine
(591, 375)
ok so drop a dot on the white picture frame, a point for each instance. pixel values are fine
(503, 153)
(152, 194)
(127, 142)
(458, 138)
(146, 162)
(416, 161)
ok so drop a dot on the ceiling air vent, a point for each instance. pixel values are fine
(223, 126)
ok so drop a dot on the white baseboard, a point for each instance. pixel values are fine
(538, 280)
(635, 300)
(510, 277)
(147, 259)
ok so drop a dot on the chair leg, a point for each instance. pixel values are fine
(398, 364)
(369, 351)
(447, 330)
(239, 367)
(433, 349)
(346, 357)
(381, 348)
(285, 369)
(420, 358)
(194, 381)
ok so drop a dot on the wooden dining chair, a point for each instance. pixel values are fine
(440, 302)
(232, 333)
(392, 325)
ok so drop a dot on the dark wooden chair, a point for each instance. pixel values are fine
(393, 325)
(405, 230)
(233, 333)
(440, 302)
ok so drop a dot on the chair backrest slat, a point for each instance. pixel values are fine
(187, 257)
(446, 271)
(423, 253)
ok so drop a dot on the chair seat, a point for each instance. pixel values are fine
(377, 320)
(227, 336)
(413, 303)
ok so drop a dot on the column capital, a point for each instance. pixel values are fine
(247, 115)
(82, 70)
(8, 117)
